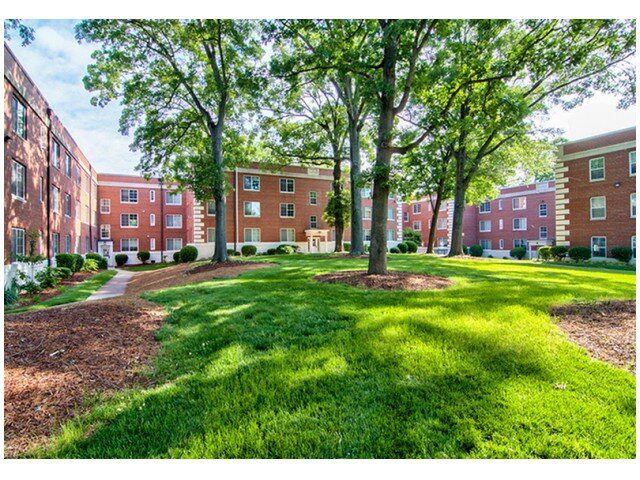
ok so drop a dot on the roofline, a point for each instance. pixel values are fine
(600, 135)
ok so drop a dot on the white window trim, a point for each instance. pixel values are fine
(129, 239)
(152, 196)
(251, 189)
(280, 185)
(316, 198)
(152, 244)
(605, 245)
(486, 241)
(631, 174)
(524, 207)
(310, 221)
(546, 210)
(166, 220)
(484, 222)
(244, 235)
(631, 214)
(501, 244)
(24, 181)
(288, 230)
(137, 220)
(591, 209)
(244, 212)
(500, 224)
(604, 169)
(413, 225)
(540, 233)
(102, 237)
(287, 216)
(214, 234)
(500, 204)
(206, 208)
(152, 219)
(166, 196)
(129, 196)
(513, 224)
(24, 240)
(440, 221)
(485, 211)
(418, 210)
(173, 239)
(108, 205)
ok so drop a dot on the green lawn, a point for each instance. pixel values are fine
(273, 364)
(71, 294)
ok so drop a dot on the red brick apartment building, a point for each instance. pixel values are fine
(596, 192)
(417, 215)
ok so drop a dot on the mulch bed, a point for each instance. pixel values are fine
(25, 299)
(607, 330)
(55, 357)
(208, 267)
(404, 281)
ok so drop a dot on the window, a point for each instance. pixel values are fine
(128, 196)
(633, 246)
(287, 210)
(598, 208)
(287, 235)
(313, 221)
(86, 214)
(367, 235)
(18, 243)
(442, 224)
(485, 207)
(174, 220)
(251, 183)
(105, 205)
(41, 189)
(500, 204)
(596, 169)
(67, 244)
(251, 209)
(173, 198)
(211, 208)
(443, 242)
(251, 235)
(18, 180)
(519, 224)
(55, 200)
(366, 214)
(632, 164)
(67, 205)
(105, 232)
(55, 243)
(211, 235)
(501, 244)
(287, 185)
(520, 242)
(152, 196)
(78, 176)
(632, 201)
(599, 247)
(405, 216)
(129, 245)
(67, 165)
(18, 117)
(55, 154)
(544, 233)
(129, 220)
(500, 224)
(77, 249)
(391, 214)
(152, 244)
(313, 198)
(485, 225)
(174, 243)
(417, 208)
(485, 244)
(87, 245)
(152, 219)
(542, 210)
(519, 203)
(417, 225)
(391, 235)
(366, 193)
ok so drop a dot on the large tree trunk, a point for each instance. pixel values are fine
(357, 233)
(337, 193)
(436, 214)
(458, 216)
(220, 251)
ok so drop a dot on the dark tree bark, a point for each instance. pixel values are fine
(220, 249)
(434, 219)
(357, 234)
(337, 192)
(458, 216)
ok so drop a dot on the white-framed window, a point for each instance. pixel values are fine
(391, 213)
(500, 224)
(599, 247)
(152, 219)
(152, 244)
(128, 244)
(633, 246)
(152, 196)
(542, 210)
(129, 220)
(632, 163)
(251, 235)
(105, 232)
(55, 154)
(251, 183)
(519, 203)
(18, 117)
(313, 198)
(287, 235)
(442, 224)
(174, 220)
(18, 243)
(366, 213)
(598, 208)
(55, 200)
(313, 221)
(485, 244)
(485, 207)
(251, 209)
(287, 185)
(596, 169)
(105, 205)
(55, 243)
(632, 204)
(417, 225)
(485, 225)
(544, 233)
(67, 205)
(41, 189)
(174, 243)
(501, 244)
(367, 235)
(405, 216)
(77, 249)
(287, 210)
(500, 204)
(520, 242)
(128, 195)
(67, 165)
(87, 245)
(67, 244)
(417, 208)
(365, 193)
(211, 235)
(391, 235)
(211, 208)
(443, 242)
(519, 224)
(173, 198)
(18, 180)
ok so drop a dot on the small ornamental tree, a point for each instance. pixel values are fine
(121, 259)
(144, 256)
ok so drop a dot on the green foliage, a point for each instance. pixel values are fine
(90, 265)
(475, 250)
(32, 288)
(49, 277)
(403, 247)
(412, 247)
(11, 293)
(176, 256)
(465, 249)
(102, 262)
(271, 251)
(338, 207)
(249, 250)
(579, 254)
(518, 252)
(65, 260)
(346, 246)
(63, 272)
(121, 259)
(544, 253)
(559, 252)
(622, 254)
(144, 256)
(188, 253)
(285, 249)
(26, 33)
(412, 235)
(394, 250)
(78, 262)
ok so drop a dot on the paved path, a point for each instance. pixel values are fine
(114, 287)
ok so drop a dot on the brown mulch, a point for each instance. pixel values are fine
(55, 357)
(607, 330)
(208, 267)
(26, 299)
(395, 280)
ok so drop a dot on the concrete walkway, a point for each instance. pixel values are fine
(114, 287)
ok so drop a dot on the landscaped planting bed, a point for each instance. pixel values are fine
(392, 281)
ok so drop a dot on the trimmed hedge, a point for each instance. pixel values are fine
(249, 250)
(518, 252)
(578, 253)
(144, 256)
(623, 254)
(176, 256)
(285, 249)
(559, 252)
(188, 253)
(65, 260)
(102, 262)
(412, 247)
(475, 250)
(63, 272)
(403, 247)
(78, 262)
(394, 250)
(465, 249)
(121, 259)
(347, 247)
(544, 253)
(271, 251)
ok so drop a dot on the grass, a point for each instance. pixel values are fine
(70, 294)
(607, 265)
(274, 364)
(148, 266)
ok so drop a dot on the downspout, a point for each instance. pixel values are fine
(235, 211)
(48, 160)
(161, 223)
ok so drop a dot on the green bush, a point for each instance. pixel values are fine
(544, 253)
(11, 293)
(144, 256)
(32, 288)
(90, 265)
(347, 247)
(409, 234)
(176, 256)
(559, 252)
(518, 252)
(102, 262)
(48, 277)
(579, 254)
(121, 259)
(394, 250)
(367, 246)
(236, 253)
(63, 272)
(412, 247)
(623, 254)
(188, 253)
(78, 262)
(403, 247)
(271, 251)
(249, 250)
(475, 250)
(65, 260)
(465, 249)
(285, 249)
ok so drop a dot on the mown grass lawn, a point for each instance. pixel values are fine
(274, 364)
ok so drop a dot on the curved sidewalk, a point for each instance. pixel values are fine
(114, 287)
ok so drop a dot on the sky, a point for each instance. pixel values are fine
(57, 62)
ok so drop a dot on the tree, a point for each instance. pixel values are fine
(26, 33)
(186, 87)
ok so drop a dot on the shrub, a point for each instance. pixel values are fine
(188, 253)
(285, 249)
(558, 252)
(90, 265)
(394, 250)
(63, 272)
(121, 259)
(347, 247)
(624, 254)
(102, 262)
(475, 250)
(249, 250)
(409, 234)
(489, 256)
(271, 251)
(403, 247)
(465, 249)
(48, 277)
(31, 288)
(544, 253)
(144, 256)
(236, 253)
(78, 262)
(176, 256)
(578, 253)
(65, 260)
(11, 293)
(518, 252)
(366, 247)
(412, 247)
